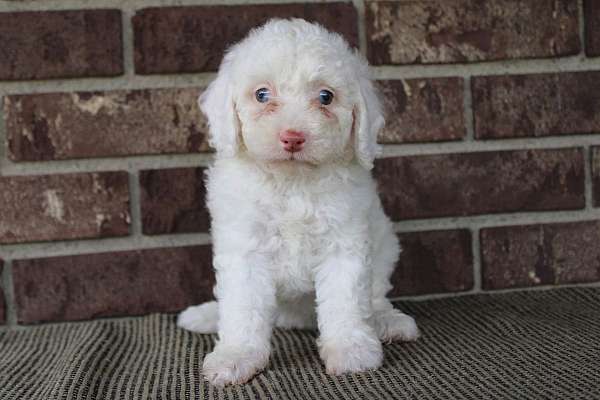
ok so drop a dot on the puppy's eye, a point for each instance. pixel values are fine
(262, 95)
(325, 97)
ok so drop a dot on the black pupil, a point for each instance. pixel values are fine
(262, 95)
(325, 97)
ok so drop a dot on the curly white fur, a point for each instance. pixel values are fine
(295, 233)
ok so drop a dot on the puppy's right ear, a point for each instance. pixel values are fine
(216, 102)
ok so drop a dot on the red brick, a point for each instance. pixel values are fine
(193, 39)
(112, 284)
(423, 110)
(536, 105)
(596, 175)
(450, 31)
(69, 206)
(481, 183)
(592, 27)
(518, 256)
(173, 201)
(2, 311)
(59, 126)
(433, 262)
(60, 44)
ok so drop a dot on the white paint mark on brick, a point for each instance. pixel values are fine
(94, 104)
(534, 278)
(406, 87)
(100, 220)
(53, 205)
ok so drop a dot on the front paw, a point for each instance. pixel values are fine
(233, 364)
(355, 351)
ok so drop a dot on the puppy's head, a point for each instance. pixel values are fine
(293, 92)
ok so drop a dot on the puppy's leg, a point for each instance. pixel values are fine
(246, 302)
(347, 342)
(297, 313)
(391, 324)
(202, 318)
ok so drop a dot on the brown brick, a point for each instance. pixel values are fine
(69, 206)
(517, 256)
(433, 262)
(58, 126)
(480, 183)
(112, 284)
(193, 39)
(423, 110)
(173, 201)
(592, 27)
(450, 31)
(596, 175)
(60, 44)
(536, 105)
(2, 311)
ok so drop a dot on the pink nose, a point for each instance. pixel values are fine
(292, 141)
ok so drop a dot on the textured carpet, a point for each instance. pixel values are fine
(528, 345)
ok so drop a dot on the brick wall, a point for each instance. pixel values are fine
(491, 166)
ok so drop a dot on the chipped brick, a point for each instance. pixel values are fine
(451, 31)
(422, 110)
(63, 206)
(57, 126)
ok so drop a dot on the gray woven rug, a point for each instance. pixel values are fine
(529, 345)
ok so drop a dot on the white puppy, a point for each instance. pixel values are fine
(300, 239)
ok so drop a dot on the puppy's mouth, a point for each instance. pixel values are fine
(296, 157)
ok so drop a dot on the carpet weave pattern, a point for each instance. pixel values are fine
(526, 345)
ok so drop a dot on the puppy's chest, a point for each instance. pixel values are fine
(300, 226)
(301, 229)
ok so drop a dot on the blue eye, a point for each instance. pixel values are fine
(325, 97)
(262, 95)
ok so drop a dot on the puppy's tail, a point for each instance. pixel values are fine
(202, 319)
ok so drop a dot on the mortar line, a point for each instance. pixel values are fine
(139, 162)
(106, 164)
(412, 298)
(104, 245)
(127, 41)
(121, 82)
(540, 288)
(359, 5)
(497, 220)
(87, 246)
(500, 67)
(505, 67)
(476, 259)
(468, 110)
(12, 6)
(135, 204)
(9, 294)
(548, 143)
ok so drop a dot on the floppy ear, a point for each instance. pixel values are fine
(216, 102)
(368, 122)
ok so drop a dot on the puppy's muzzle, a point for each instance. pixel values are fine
(292, 141)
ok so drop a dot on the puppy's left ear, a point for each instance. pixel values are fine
(368, 122)
(216, 102)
